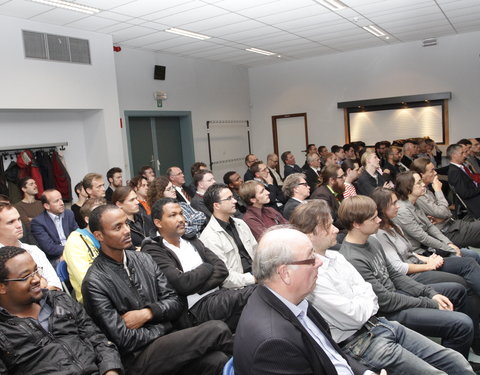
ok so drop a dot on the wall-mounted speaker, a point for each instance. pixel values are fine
(159, 72)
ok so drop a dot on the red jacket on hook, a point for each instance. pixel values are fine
(28, 168)
(62, 178)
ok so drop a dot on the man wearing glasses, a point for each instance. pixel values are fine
(43, 331)
(279, 332)
(229, 238)
(296, 189)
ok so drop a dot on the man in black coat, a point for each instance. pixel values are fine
(279, 332)
(194, 271)
(43, 331)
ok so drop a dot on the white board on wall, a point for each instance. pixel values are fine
(371, 127)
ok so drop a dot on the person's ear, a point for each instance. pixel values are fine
(98, 235)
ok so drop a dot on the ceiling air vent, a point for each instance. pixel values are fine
(56, 47)
(429, 42)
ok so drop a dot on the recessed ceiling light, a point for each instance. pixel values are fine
(187, 33)
(69, 5)
(332, 4)
(260, 51)
(375, 30)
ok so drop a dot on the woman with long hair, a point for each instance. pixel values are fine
(162, 187)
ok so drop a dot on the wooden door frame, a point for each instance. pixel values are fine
(275, 133)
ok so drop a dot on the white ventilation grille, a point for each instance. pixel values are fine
(56, 47)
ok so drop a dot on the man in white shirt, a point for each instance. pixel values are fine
(10, 233)
(201, 271)
(349, 305)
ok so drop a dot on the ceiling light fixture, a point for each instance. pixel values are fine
(375, 30)
(190, 34)
(332, 4)
(260, 51)
(69, 5)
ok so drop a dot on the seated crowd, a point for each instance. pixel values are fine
(346, 265)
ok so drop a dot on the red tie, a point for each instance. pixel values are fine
(475, 177)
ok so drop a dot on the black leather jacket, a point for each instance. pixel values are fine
(73, 345)
(109, 292)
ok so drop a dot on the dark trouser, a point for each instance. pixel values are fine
(224, 304)
(464, 233)
(198, 350)
(453, 327)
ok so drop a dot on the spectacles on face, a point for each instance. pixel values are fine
(302, 184)
(226, 199)
(178, 174)
(305, 262)
(341, 177)
(38, 271)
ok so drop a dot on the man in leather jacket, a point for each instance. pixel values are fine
(43, 331)
(194, 271)
(127, 295)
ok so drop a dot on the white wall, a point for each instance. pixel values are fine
(27, 85)
(211, 91)
(315, 86)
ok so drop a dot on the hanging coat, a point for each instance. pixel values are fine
(62, 179)
(44, 162)
(29, 168)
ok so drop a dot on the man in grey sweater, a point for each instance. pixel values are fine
(427, 310)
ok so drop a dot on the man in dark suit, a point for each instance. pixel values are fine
(460, 177)
(312, 171)
(279, 332)
(290, 167)
(177, 178)
(296, 190)
(53, 226)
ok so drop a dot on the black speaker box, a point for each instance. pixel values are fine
(159, 72)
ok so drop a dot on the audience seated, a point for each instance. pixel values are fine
(322, 151)
(28, 207)
(393, 165)
(11, 231)
(279, 332)
(350, 154)
(462, 180)
(259, 217)
(296, 190)
(351, 170)
(81, 248)
(262, 174)
(194, 169)
(409, 153)
(53, 226)
(272, 164)
(249, 160)
(229, 238)
(147, 172)
(141, 226)
(177, 178)
(233, 180)
(349, 305)
(433, 203)
(82, 197)
(425, 309)
(289, 164)
(312, 171)
(94, 185)
(45, 331)
(422, 234)
(115, 180)
(139, 185)
(470, 161)
(131, 301)
(161, 187)
(203, 180)
(339, 153)
(330, 159)
(332, 190)
(194, 271)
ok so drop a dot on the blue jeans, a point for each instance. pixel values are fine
(400, 350)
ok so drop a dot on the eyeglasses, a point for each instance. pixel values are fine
(302, 184)
(342, 176)
(226, 199)
(38, 271)
(305, 262)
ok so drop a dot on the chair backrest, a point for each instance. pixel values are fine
(228, 369)
(62, 271)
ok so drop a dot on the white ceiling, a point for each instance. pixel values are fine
(293, 29)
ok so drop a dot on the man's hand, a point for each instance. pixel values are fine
(112, 372)
(388, 185)
(137, 318)
(434, 261)
(269, 179)
(436, 184)
(443, 302)
(458, 253)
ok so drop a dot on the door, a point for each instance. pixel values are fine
(290, 133)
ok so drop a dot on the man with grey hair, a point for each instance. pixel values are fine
(463, 180)
(279, 332)
(296, 188)
(312, 171)
(409, 149)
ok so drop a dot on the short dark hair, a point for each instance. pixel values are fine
(144, 168)
(320, 148)
(135, 181)
(419, 165)
(226, 177)
(335, 148)
(43, 197)
(212, 195)
(306, 217)
(356, 209)
(120, 194)
(330, 171)
(197, 166)
(348, 164)
(157, 209)
(112, 171)
(347, 147)
(23, 182)
(255, 167)
(200, 175)
(7, 253)
(464, 142)
(285, 155)
(404, 184)
(95, 218)
(78, 187)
